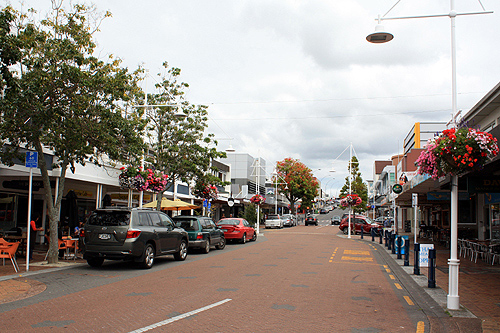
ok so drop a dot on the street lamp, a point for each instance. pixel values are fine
(276, 175)
(453, 301)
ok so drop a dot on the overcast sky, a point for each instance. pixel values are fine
(286, 78)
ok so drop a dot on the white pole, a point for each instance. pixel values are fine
(258, 192)
(276, 195)
(453, 300)
(350, 207)
(28, 236)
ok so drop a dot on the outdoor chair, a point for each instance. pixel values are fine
(9, 252)
(61, 245)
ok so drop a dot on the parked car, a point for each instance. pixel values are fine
(289, 220)
(323, 211)
(311, 220)
(336, 220)
(135, 234)
(273, 221)
(237, 229)
(202, 231)
(358, 222)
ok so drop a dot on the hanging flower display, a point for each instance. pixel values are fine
(350, 200)
(456, 151)
(257, 199)
(142, 180)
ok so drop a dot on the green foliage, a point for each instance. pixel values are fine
(250, 213)
(179, 146)
(298, 181)
(58, 96)
(357, 187)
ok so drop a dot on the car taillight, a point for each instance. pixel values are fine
(82, 233)
(133, 233)
(199, 236)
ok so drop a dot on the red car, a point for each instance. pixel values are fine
(236, 228)
(358, 222)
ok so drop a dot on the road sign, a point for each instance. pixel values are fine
(31, 159)
(397, 188)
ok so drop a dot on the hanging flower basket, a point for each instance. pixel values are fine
(350, 200)
(456, 151)
(257, 199)
(142, 180)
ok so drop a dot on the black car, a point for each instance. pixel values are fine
(202, 231)
(311, 220)
(135, 234)
(323, 211)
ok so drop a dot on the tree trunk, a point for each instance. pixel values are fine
(53, 206)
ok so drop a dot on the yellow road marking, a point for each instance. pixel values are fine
(398, 286)
(387, 270)
(420, 327)
(385, 266)
(357, 258)
(408, 300)
(364, 253)
(330, 260)
(392, 277)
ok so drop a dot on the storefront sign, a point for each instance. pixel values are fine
(445, 196)
(424, 254)
(489, 184)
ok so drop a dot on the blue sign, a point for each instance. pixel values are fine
(403, 243)
(31, 159)
(204, 202)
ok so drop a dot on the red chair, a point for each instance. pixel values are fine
(9, 252)
(60, 244)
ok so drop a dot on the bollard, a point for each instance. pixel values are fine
(399, 242)
(416, 266)
(389, 240)
(380, 234)
(407, 253)
(393, 243)
(385, 237)
(361, 232)
(432, 269)
(372, 231)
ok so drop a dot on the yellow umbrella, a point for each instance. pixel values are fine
(167, 204)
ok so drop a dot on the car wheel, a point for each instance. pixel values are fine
(254, 237)
(182, 253)
(244, 239)
(206, 249)
(222, 244)
(345, 231)
(148, 258)
(95, 262)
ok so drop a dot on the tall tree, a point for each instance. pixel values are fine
(357, 186)
(62, 98)
(296, 181)
(180, 148)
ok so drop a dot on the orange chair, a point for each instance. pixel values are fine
(60, 244)
(9, 252)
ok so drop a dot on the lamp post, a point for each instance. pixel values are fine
(379, 36)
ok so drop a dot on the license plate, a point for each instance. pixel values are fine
(104, 236)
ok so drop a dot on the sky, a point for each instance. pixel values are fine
(289, 78)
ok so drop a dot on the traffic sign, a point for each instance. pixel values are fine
(31, 159)
(397, 188)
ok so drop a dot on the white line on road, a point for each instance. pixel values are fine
(179, 317)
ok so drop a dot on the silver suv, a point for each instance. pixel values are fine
(134, 234)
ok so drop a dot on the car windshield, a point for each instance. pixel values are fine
(186, 224)
(109, 219)
(228, 222)
(369, 220)
(273, 217)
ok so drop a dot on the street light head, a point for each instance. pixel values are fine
(180, 115)
(230, 149)
(332, 170)
(379, 36)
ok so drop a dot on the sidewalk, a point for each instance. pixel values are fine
(479, 283)
(15, 286)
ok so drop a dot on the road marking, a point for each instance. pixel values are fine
(398, 286)
(392, 277)
(357, 258)
(385, 266)
(387, 270)
(420, 327)
(179, 317)
(408, 300)
(364, 253)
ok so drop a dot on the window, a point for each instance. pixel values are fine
(205, 224)
(143, 219)
(155, 219)
(166, 221)
(109, 219)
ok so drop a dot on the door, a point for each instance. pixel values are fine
(161, 232)
(172, 235)
(209, 227)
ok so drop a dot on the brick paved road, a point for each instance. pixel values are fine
(291, 280)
